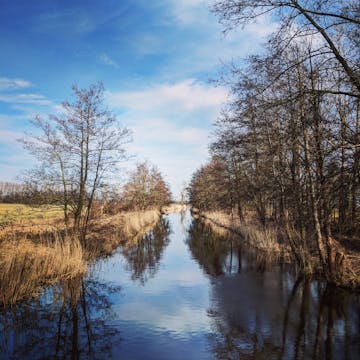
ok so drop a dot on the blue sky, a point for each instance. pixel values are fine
(155, 59)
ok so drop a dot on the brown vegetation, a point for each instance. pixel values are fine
(42, 254)
(145, 189)
(287, 146)
(106, 234)
(25, 266)
(263, 239)
(278, 244)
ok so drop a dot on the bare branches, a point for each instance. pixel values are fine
(78, 149)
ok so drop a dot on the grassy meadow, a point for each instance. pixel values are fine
(17, 213)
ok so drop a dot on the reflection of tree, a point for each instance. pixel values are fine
(308, 328)
(262, 312)
(208, 248)
(69, 321)
(219, 255)
(143, 258)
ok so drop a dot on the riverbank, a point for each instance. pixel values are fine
(173, 208)
(282, 245)
(36, 254)
(184, 294)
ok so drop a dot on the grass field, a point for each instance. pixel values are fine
(14, 213)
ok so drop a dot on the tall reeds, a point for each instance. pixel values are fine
(124, 228)
(25, 266)
(44, 256)
(267, 239)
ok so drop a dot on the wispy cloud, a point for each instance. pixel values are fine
(186, 95)
(171, 124)
(188, 11)
(13, 83)
(160, 132)
(107, 60)
(34, 99)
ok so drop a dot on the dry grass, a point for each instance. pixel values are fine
(25, 266)
(173, 208)
(16, 213)
(288, 245)
(36, 255)
(264, 239)
(125, 228)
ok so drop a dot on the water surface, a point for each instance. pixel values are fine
(183, 292)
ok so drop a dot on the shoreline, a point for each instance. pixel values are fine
(37, 255)
(271, 241)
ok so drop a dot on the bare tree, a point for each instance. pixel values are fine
(321, 19)
(146, 188)
(77, 150)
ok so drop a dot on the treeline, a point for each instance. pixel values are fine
(20, 193)
(287, 147)
(144, 189)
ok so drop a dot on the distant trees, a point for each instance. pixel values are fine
(146, 188)
(289, 141)
(77, 150)
(209, 187)
(24, 193)
(11, 192)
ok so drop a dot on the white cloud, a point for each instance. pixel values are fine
(13, 84)
(34, 99)
(165, 131)
(187, 95)
(171, 124)
(203, 46)
(106, 60)
(189, 11)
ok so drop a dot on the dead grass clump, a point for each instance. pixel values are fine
(124, 228)
(264, 239)
(173, 208)
(25, 266)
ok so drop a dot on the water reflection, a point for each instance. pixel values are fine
(210, 250)
(260, 310)
(143, 258)
(209, 297)
(69, 321)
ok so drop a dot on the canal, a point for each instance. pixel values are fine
(183, 292)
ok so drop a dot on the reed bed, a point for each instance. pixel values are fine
(35, 255)
(286, 244)
(25, 266)
(265, 239)
(121, 229)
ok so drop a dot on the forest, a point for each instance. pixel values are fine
(286, 150)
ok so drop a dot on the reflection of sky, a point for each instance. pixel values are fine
(172, 302)
(182, 313)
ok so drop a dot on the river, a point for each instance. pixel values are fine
(183, 292)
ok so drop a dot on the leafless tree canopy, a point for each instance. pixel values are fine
(288, 143)
(78, 150)
(146, 188)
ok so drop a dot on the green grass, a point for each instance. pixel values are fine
(12, 213)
